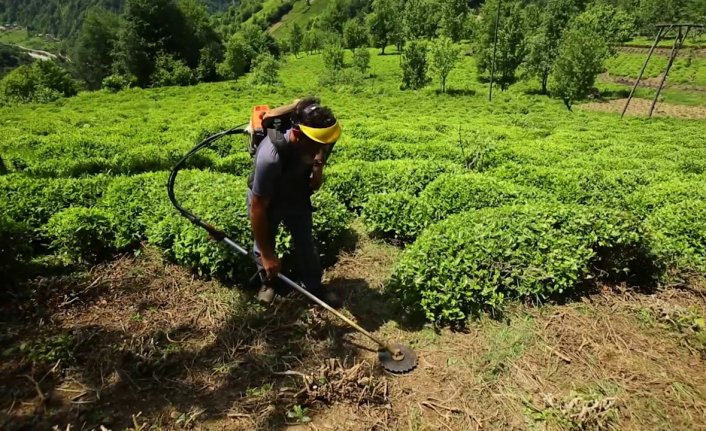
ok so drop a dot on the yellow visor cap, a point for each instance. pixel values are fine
(329, 135)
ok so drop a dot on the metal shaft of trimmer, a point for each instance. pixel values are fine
(383, 345)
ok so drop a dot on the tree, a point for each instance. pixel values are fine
(542, 45)
(265, 70)
(420, 19)
(238, 56)
(96, 45)
(611, 24)
(354, 34)
(171, 71)
(580, 59)
(333, 58)
(453, 18)
(444, 54)
(313, 40)
(383, 22)
(414, 65)
(511, 45)
(296, 38)
(41, 81)
(361, 60)
(149, 27)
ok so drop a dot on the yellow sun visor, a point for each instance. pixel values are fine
(329, 135)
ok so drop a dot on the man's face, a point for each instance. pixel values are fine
(308, 147)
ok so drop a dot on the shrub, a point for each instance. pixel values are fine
(390, 214)
(170, 70)
(474, 260)
(655, 196)
(235, 164)
(35, 200)
(414, 65)
(82, 235)
(448, 194)
(331, 221)
(14, 240)
(354, 182)
(116, 82)
(680, 235)
(41, 81)
(361, 60)
(148, 158)
(265, 70)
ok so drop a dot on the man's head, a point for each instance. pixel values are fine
(315, 125)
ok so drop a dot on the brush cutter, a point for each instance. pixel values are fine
(395, 358)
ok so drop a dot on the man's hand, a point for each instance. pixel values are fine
(317, 178)
(272, 266)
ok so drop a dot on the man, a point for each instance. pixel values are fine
(285, 175)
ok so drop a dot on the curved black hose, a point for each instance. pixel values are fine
(214, 232)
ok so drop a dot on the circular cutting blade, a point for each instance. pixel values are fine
(405, 364)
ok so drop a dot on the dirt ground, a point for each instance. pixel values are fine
(641, 108)
(142, 345)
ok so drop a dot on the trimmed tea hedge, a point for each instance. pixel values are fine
(474, 260)
(404, 216)
(14, 240)
(81, 235)
(680, 235)
(354, 182)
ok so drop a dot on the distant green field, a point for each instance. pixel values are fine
(686, 70)
(21, 37)
(301, 13)
(667, 42)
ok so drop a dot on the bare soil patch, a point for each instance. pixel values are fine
(140, 344)
(641, 107)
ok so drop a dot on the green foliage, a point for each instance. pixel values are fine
(296, 39)
(114, 83)
(543, 41)
(355, 35)
(443, 58)
(332, 57)
(384, 22)
(265, 71)
(42, 81)
(12, 57)
(361, 60)
(81, 235)
(14, 241)
(454, 14)
(171, 71)
(242, 49)
(404, 217)
(680, 235)
(580, 59)
(511, 42)
(420, 19)
(34, 201)
(313, 40)
(475, 260)
(95, 47)
(414, 65)
(390, 214)
(353, 182)
(613, 25)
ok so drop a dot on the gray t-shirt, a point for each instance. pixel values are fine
(283, 178)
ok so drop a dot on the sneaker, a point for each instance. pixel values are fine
(266, 294)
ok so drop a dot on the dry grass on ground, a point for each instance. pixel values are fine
(140, 344)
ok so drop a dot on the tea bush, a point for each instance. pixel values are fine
(14, 240)
(475, 260)
(680, 235)
(34, 200)
(81, 235)
(354, 182)
(446, 195)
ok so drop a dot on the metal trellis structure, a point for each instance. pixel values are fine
(682, 30)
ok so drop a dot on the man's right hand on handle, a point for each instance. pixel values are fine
(272, 266)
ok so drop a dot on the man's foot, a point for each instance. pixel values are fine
(329, 296)
(266, 294)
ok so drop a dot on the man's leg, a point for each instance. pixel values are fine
(267, 292)
(300, 224)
